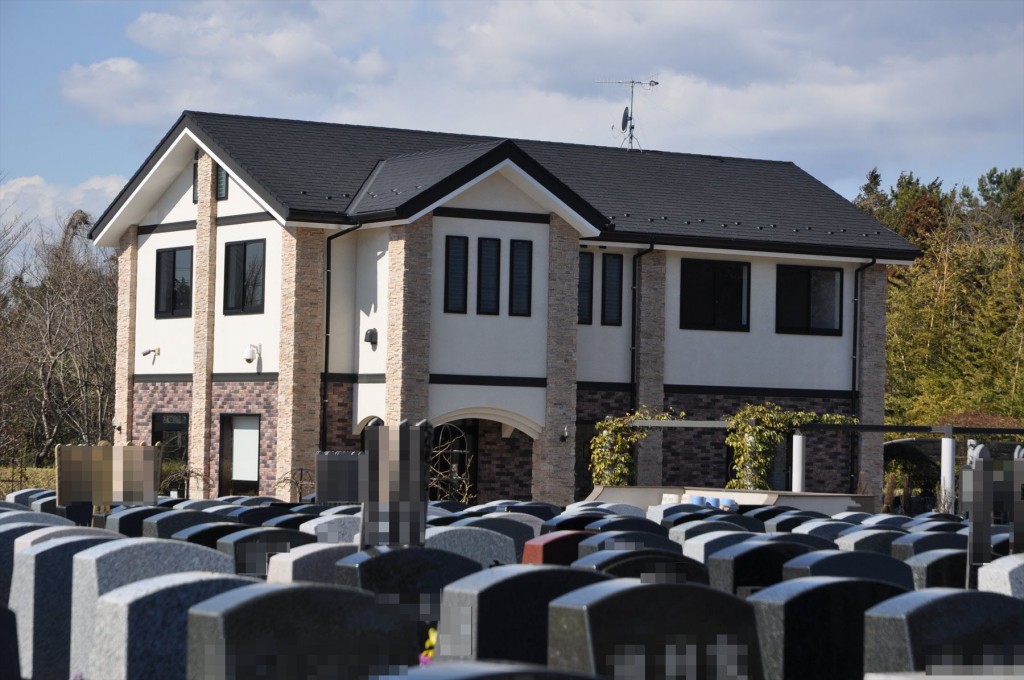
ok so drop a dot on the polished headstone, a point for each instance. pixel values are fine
(251, 548)
(812, 542)
(256, 500)
(828, 529)
(683, 532)
(627, 540)
(255, 516)
(16, 516)
(519, 533)
(51, 533)
(313, 562)
(166, 524)
(619, 523)
(10, 669)
(700, 548)
(9, 533)
(747, 567)
(129, 521)
(648, 565)
(208, 534)
(862, 564)
(944, 568)
(868, 540)
(290, 521)
(742, 521)
(557, 547)
(488, 548)
(333, 528)
(1004, 576)
(912, 544)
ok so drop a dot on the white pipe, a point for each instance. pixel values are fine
(798, 462)
(947, 474)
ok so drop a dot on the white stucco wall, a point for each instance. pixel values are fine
(173, 336)
(238, 202)
(341, 352)
(521, 407)
(371, 301)
(369, 403)
(175, 205)
(495, 193)
(760, 357)
(233, 333)
(602, 352)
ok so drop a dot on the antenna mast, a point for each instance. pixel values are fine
(627, 115)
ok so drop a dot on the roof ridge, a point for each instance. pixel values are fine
(496, 142)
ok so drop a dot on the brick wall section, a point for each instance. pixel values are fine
(871, 375)
(203, 301)
(554, 461)
(158, 397)
(251, 398)
(699, 457)
(127, 280)
(302, 344)
(340, 402)
(503, 465)
(408, 351)
(650, 372)
(594, 405)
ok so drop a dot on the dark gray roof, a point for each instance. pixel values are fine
(348, 173)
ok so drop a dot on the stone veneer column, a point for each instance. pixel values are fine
(871, 376)
(124, 381)
(650, 369)
(408, 352)
(554, 461)
(204, 287)
(302, 356)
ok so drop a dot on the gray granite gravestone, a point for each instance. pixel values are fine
(766, 512)
(292, 520)
(799, 642)
(48, 504)
(623, 628)
(41, 599)
(786, 522)
(868, 540)
(9, 533)
(200, 504)
(1004, 576)
(677, 518)
(626, 540)
(700, 548)
(656, 513)
(912, 544)
(863, 564)
(50, 533)
(207, 534)
(22, 496)
(314, 562)
(27, 515)
(333, 528)
(519, 533)
(851, 516)
(486, 547)
(129, 521)
(942, 568)
(6, 505)
(502, 613)
(533, 521)
(648, 564)
(255, 516)
(747, 567)
(166, 524)
(538, 509)
(297, 630)
(624, 509)
(883, 520)
(102, 568)
(683, 532)
(619, 523)
(812, 542)
(936, 525)
(256, 501)
(145, 625)
(251, 548)
(826, 528)
(750, 524)
(571, 521)
(943, 630)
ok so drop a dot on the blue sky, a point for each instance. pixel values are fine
(88, 87)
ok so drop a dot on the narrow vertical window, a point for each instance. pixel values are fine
(195, 178)
(611, 289)
(520, 289)
(488, 273)
(222, 183)
(244, 264)
(585, 294)
(456, 266)
(173, 282)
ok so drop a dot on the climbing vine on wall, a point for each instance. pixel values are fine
(611, 449)
(755, 432)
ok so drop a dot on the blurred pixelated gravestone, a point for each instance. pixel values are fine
(104, 475)
(388, 478)
(993, 492)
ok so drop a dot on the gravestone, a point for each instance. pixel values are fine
(851, 517)
(786, 522)
(939, 628)
(256, 501)
(533, 521)
(487, 548)
(934, 526)
(542, 511)
(9, 533)
(41, 588)
(624, 509)
(200, 504)
(409, 580)
(228, 499)
(649, 565)
(296, 630)
(519, 533)
(766, 512)
(16, 516)
(700, 548)
(250, 549)
(102, 568)
(677, 518)
(48, 504)
(943, 568)
(619, 523)
(1004, 576)
(313, 562)
(290, 521)
(7, 505)
(145, 625)
(828, 529)
(22, 496)
(207, 534)
(682, 532)
(222, 512)
(343, 510)
(309, 509)
(623, 628)
(450, 506)
(745, 523)
(170, 502)
(502, 613)
(255, 516)
(52, 533)
(912, 544)
(333, 528)
(166, 524)
(798, 641)
(745, 568)
(869, 565)
(484, 670)
(869, 540)
(626, 540)
(557, 547)
(883, 520)
(128, 522)
(10, 669)
(812, 542)
(656, 513)
(571, 521)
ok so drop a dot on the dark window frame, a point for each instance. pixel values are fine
(244, 309)
(516, 294)
(807, 329)
(173, 313)
(585, 288)
(221, 191)
(195, 178)
(742, 327)
(448, 263)
(606, 319)
(494, 277)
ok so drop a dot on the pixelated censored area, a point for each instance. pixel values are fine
(104, 475)
(324, 664)
(679, 656)
(1005, 660)
(993, 493)
(393, 476)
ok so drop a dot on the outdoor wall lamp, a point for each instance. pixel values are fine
(147, 352)
(565, 434)
(371, 337)
(251, 353)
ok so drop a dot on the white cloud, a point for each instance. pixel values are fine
(42, 204)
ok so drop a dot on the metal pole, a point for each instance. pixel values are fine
(947, 473)
(798, 461)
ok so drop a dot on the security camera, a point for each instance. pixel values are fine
(250, 354)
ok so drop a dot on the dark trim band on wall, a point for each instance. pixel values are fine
(162, 377)
(604, 386)
(493, 215)
(352, 378)
(228, 220)
(244, 377)
(759, 391)
(167, 227)
(486, 380)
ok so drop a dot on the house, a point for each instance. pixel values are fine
(282, 283)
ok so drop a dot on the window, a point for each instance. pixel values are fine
(488, 273)
(520, 278)
(243, 277)
(222, 180)
(611, 289)
(173, 282)
(456, 265)
(808, 300)
(585, 295)
(195, 178)
(715, 295)
(222, 183)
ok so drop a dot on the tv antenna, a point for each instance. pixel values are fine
(627, 113)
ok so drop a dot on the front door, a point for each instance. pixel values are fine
(239, 455)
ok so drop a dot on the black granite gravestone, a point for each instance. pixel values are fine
(869, 565)
(128, 522)
(942, 568)
(912, 544)
(627, 540)
(617, 523)
(251, 548)
(745, 568)
(649, 565)
(207, 534)
(166, 524)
